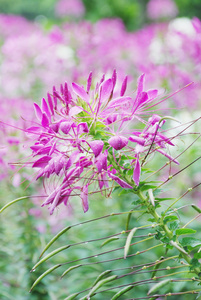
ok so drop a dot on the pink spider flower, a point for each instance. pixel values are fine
(79, 138)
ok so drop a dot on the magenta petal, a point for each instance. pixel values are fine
(65, 127)
(121, 182)
(55, 202)
(38, 111)
(82, 127)
(118, 142)
(168, 156)
(49, 98)
(154, 119)
(74, 111)
(124, 86)
(45, 121)
(80, 92)
(143, 97)
(97, 147)
(137, 139)
(41, 162)
(89, 80)
(137, 172)
(140, 85)
(101, 162)
(152, 94)
(84, 197)
(106, 90)
(50, 198)
(114, 78)
(120, 101)
(45, 108)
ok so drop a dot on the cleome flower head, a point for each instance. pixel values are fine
(79, 138)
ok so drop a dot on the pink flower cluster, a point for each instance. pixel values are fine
(83, 138)
(159, 9)
(169, 56)
(69, 8)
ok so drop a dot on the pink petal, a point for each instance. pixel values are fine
(65, 127)
(114, 78)
(75, 110)
(41, 162)
(80, 92)
(82, 127)
(38, 111)
(168, 156)
(120, 101)
(45, 108)
(121, 182)
(137, 139)
(49, 99)
(54, 98)
(89, 80)
(97, 147)
(101, 162)
(84, 198)
(118, 142)
(137, 172)
(152, 94)
(124, 86)
(45, 121)
(140, 85)
(106, 90)
(55, 202)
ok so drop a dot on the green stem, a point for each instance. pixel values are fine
(159, 220)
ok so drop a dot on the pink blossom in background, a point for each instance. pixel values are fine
(15, 25)
(69, 8)
(159, 9)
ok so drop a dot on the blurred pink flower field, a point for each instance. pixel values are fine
(89, 109)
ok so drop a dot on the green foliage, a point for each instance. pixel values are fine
(132, 12)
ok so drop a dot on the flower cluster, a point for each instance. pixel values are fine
(84, 137)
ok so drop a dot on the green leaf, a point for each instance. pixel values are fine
(170, 218)
(128, 241)
(43, 275)
(173, 225)
(189, 241)
(147, 187)
(197, 255)
(123, 291)
(185, 231)
(54, 239)
(113, 238)
(130, 172)
(164, 199)
(194, 264)
(158, 286)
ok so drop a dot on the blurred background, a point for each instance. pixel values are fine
(44, 43)
(132, 12)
